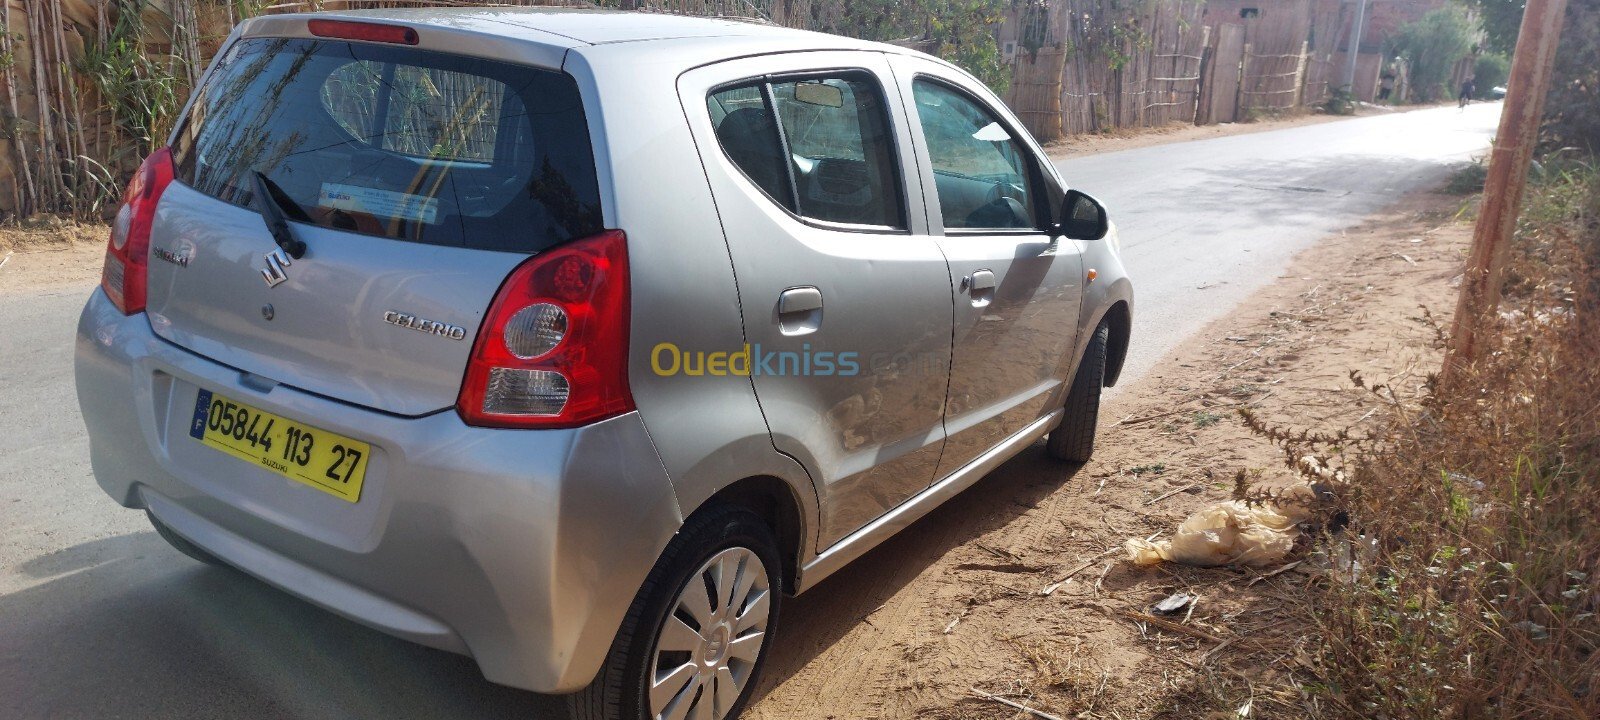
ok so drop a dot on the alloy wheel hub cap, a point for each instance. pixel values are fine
(708, 646)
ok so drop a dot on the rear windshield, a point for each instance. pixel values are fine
(396, 142)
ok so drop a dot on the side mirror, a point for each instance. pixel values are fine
(1083, 217)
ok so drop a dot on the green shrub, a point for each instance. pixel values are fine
(1468, 180)
(1489, 71)
(1572, 111)
(1432, 46)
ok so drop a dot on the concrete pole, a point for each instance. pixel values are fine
(1353, 49)
(1507, 179)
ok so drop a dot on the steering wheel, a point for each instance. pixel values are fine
(1001, 190)
(1001, 209)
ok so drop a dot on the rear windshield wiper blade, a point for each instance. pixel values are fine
(267, 198)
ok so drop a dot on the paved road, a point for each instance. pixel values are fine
(1226, 214)
(99, 619)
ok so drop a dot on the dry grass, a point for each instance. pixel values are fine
(1065, 666)
(1483, 504)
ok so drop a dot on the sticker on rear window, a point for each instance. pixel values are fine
(381, 203)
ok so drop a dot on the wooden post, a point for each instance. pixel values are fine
(1507, 179)
(1300, 74)
(1353, 48)
(1059, 28)
(1244, 80)
(1202, 83)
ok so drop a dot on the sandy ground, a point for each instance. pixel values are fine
(954, 603)
(36, 259)
(1133, 139)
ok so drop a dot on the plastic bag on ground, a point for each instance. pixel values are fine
(1230, 533)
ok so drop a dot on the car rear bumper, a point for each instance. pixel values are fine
(520, 548)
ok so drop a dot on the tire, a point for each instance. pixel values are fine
(1073, 440)
(713, 544)
(182, 545)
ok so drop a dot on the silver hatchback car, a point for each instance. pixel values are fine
(573, 341)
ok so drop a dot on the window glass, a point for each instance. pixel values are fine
(840, 149)
(396, 142)
(749, 136)
(429, 112)
(980, 171)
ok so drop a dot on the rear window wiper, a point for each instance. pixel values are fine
(268, 200)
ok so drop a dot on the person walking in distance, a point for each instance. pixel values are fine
(1386, 85)
(1465, 96)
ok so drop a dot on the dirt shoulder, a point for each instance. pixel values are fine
(954, 603)
(45, 258)
(1134, 138)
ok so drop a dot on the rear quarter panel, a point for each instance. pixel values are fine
(708, 429)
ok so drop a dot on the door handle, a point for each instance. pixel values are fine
(799, 310)
(980, 286)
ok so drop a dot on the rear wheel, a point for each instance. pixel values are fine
(182, 545)
(1073, 440)
(695, 637)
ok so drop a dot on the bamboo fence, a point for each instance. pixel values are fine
(65, 146)
(1123, 78)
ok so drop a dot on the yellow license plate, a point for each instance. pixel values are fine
(326, 461)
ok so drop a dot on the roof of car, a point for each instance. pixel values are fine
(586, 26)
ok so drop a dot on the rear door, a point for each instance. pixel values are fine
(1016, 284)
(416, 179)
(845, 297)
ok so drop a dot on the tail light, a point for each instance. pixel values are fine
(553, 350)
(128, 254)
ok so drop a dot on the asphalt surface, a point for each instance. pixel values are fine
(1205, 224)
(100, 619)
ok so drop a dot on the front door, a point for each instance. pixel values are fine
(1016, 284)
(846, 300)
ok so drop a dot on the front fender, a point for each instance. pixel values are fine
(1108, 296)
